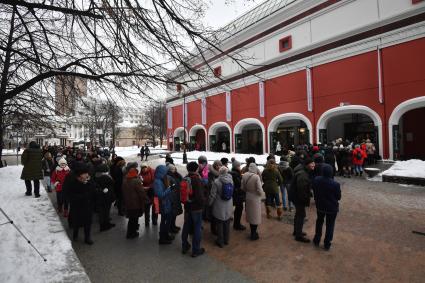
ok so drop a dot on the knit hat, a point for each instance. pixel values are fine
(192, 166)
(62, 161)
(202, 159)
(236, 164)
(131, 165)
(102, 168)
(307, 161)
(223, 170)
(81, 168)
(318, 158)
(143, 165)
(171, 167)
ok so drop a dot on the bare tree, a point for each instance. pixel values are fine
(123, 46)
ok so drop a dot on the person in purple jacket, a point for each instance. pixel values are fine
(327, 194)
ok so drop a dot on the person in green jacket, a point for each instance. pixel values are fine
(272, 181)
(32, 171)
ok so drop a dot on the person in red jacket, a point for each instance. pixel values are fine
(359, 156)
(57, 179)
(148, 176)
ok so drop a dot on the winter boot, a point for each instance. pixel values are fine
(279, 212)
(65, 213)
(269, 211)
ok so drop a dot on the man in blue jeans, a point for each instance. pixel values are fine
(193, 213)
(327, 194)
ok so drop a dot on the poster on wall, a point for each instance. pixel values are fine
(228, 107)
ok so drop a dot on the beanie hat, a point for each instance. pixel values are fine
(236, 164)
(202, 158)
(102, 168)
(143, 165)
(131, 165)
(318, 158)
(81, 168)
(171, 167)
(307, 161)
(223, 170)
(192, 166)
(62, 161)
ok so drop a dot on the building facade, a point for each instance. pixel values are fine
(313, 71)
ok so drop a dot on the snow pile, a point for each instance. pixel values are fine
(211, 156)
(134, 150)
(38, 221)
(413, 168)
(11, 151)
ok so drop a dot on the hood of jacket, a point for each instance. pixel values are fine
(225, 178)
(161, 172)
(327, 171)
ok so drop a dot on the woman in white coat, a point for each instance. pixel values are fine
(251, 184)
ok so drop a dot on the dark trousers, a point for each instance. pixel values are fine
(62, 201)
(192, 222)
(148, 208)
(299, 220)
(272, 200)
(142, 156)
(237, 214)
(36, 187)
(104, 211)
(132, 226)
(87, 228)
(120, 204)
(330, 226)
(223, 228)
(164, 228)
(253, 229)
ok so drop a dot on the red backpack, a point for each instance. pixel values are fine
(186, 190)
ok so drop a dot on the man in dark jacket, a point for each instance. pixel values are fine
(193, 212)
(327, 193)
(238, 196)
(32, 171)
(118, 176)
(105, 196)
(301, 187)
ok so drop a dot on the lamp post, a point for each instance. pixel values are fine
(184, 130)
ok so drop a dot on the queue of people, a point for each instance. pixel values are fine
(212, 193)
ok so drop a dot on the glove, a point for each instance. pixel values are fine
(105, 190)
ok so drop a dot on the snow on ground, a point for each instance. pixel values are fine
(11, 151)
(409, 168)
(38, 221)
(134, 150)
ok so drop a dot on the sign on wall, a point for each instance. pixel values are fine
(228, 107)
(170, 118)
(261, 97)
(204, 111)
(309, 91)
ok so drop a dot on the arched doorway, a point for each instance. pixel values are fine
(197, 138)
(249, 136)
(178, 138)
(289, 129)
(220, 137)
(354, 123)
(406, 138)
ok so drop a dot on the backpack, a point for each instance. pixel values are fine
(227, 191)
(186, 190)
(359, 155)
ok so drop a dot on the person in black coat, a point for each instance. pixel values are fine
(147, 151)
(105, 196)
(81, 192)
(327, 194)
(117, 175)
(238, 195)
(142, 153)
(175, 178)
(168, 159)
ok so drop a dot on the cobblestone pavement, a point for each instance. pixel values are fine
(373, 242)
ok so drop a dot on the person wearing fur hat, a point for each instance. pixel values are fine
(175, 178)
(48, 166)
(81, 192)
(58, 178)
(117, 175)
(221, 208)
(105, 196)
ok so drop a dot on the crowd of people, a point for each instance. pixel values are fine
(216, 193)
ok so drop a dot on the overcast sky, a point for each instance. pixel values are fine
(221, 12)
